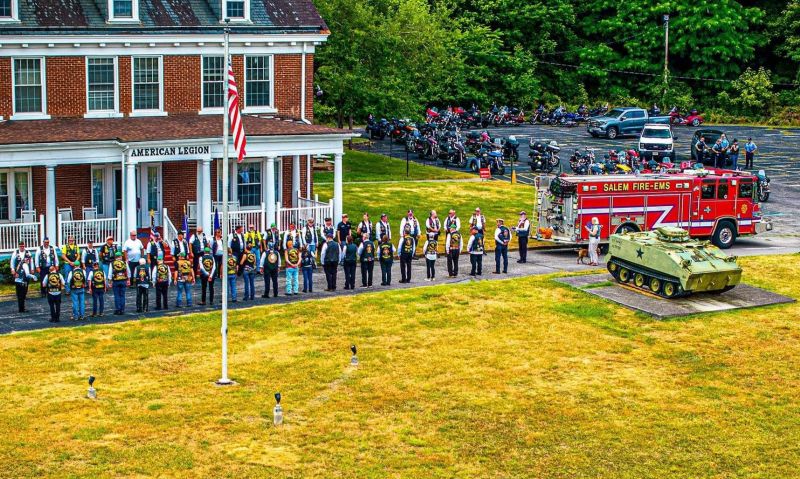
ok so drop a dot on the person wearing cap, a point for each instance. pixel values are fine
(217, 248)
(70, 253)
(326, 229)
(143, 277)
(19, 256)
(98, 284)
(231, 272)
(89, 258)
(236, 243)
(477, 221)
(53, 284)
(120, 279)
(77, 283)
(307, 265)
(330, 255)
(180, 245)
(429, 249)
(248, 265)
(386, 257)
(406, 248)
(269, 267)
(409, 224)
(254, 238)
(343, 231)
(198, 242)
(292, 257)
(523, 231)
(311, 238)
(23, 275)
(451, 220)
(162, 277)
(502, 236)
(183, 276)
(157, 247)
(133, 249)
(454, 244)
(208, 268)
(293, 235)
(750, 150)
(350, 254)
(365, 227)
(475, 249)
(382, 228)
(433, 226)
(733, 154)
(366, 254)
(107, 253)
(272, 235)
(45, 258)
(594, 229)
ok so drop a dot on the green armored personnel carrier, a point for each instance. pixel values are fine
(666, 262)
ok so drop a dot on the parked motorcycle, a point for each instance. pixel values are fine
(376, 129)
(511, 148)
(693, 118)
(453, 151)
(544, 157)
(763, 186)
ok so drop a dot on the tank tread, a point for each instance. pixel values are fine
(649, 274)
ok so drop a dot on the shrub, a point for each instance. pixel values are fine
(751, 94)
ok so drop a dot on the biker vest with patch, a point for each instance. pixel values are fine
(54, 283)
(184, 270)
(386, 252)
(293, 256)
(249, 262)
(455, 241)
(332, 253)
(272, 260)
(309, 236)
(208, 263)
(107, 253)
(307, 261)
(450, 221)
(119, 270)
(78, 280)
(407, 248)
(368, 253)
(47, 259)
(71, 252)
(477, 245)
(162, 274)
(505, 234)
(99, 280)
(253, 239)
(142, 275)
(232, 266)
(91, 258)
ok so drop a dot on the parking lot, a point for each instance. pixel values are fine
(778, 154)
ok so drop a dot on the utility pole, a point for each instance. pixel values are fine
(666, 60)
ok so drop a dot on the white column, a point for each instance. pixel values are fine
(308, 176)
(295, 180)
(129, 200)
(270, 199)
(200, 197)
(52, 211)
(205, 219)
(303, 84)
(337, 188)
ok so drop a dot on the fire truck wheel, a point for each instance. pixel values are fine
(627, 228)
(612, 133)
(724, 235)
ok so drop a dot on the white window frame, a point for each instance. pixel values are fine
(12, 192)
(160, 111)
(243, 91)
(134, 18)
(14, 18)
(43, 74)
(245, 19)
(214, 110)
(114, 113)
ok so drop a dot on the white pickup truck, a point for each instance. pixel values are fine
(657, 142)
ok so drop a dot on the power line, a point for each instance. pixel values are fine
(612, 42)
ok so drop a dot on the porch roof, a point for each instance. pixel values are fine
(140, 129)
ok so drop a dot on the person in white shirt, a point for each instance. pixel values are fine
(433, 225)
(523, 231)
(502, 236)
(133, 248)
(46, 257)
(311, 237)
(365, 227)
(382, 228)
(411, 225)
(453, 244)
(594, 229)
(294, 236)
(23, 275)
(475, 249)
(429, 249)
(19, 255)
(451, 220)
(478, 221)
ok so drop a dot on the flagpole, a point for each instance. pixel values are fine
(224, 380)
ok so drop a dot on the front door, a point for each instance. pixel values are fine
(117, 189)
(150, 193)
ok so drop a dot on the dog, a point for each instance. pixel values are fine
(583, 254)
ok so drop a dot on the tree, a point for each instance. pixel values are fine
(753, 93)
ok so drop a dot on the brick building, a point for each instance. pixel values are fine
(111, 114)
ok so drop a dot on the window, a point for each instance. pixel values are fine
(708, 189)
(101, 84)
(8, 11)
(213, 82)
(28, 85)
(634, 115)
(234, 9)
(248, 185)
(15, 193)
(746, 189)
(21, 190)
(153, 187)
(4, 197)
(98, 189)
(258, 87)
(147, 83)
(123, 10)
(722, 190)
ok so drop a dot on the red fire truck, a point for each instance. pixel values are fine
(719, 204)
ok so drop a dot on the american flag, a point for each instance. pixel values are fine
(239, 141)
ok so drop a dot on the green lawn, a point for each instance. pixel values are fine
(516, 378)
(364, 166)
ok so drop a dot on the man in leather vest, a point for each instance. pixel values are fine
(405, 248)
(89, 258)
(143, 280)
(386, 252)
(53, 283)
(236, 243)
(45, 258)
(502, 237)
(98, 283)
(162, 276)
(454, 243)
(331, 255)
(269, 267)
(120, 280)
(208, 269)
(23, 275)
(523, 231)
(78, 283)
(198, 243)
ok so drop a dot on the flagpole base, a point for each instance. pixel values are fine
(225, 382)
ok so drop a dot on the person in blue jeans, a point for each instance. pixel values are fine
(248, 264)
(120, 280)
(97, 288)
(77, 290)
(184, 278)
(231, 270)
(292, 258)
(308, 264)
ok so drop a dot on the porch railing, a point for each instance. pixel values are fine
(307, 209)
(169, 232)
(12, 233)
(95, 230)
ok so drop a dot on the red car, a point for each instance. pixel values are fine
(693, 118)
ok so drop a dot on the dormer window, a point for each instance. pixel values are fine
(237, 10)
(123, 10)
(8, 11)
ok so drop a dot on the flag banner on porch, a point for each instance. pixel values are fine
(185, 225)
(239, 141)
(217, 224)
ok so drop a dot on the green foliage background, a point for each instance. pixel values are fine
(394, 57)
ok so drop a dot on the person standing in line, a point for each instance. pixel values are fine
(594, 229)
(343, 231)
(331, 255)
(162, 276)
(133, 249)
(308, 264)
(247, 265)
(143, 279)
(217, 245)
(405, 248)
(433, 226)
(184, 278)
(365, 227)
(700, 147)
(89, 258)
(53, 283)
(292, 258)
(733, 154)
(269, 267)
(386, 258)
(454, 244)
(19, 256)
(70, 253)
(22, 277)
(107, 254)
(180, 245)
(382, 228)
(197, 244)
(76, 279)
(478, 221)
(156, 248)
(350, 259)
(327, 229)
(236, 243)
(293, 235)
(475, 249)
(120, 279)
(523, 231)
(431, 255)
(410, 225)
(208, 270)
(273, 236)
(452, 220)
(725, 147)
(98, 285)
(232, 271)
(311, 238)
(366, 253)
(750, 150)
(502, 236)
(255, 239)
(45, 258)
